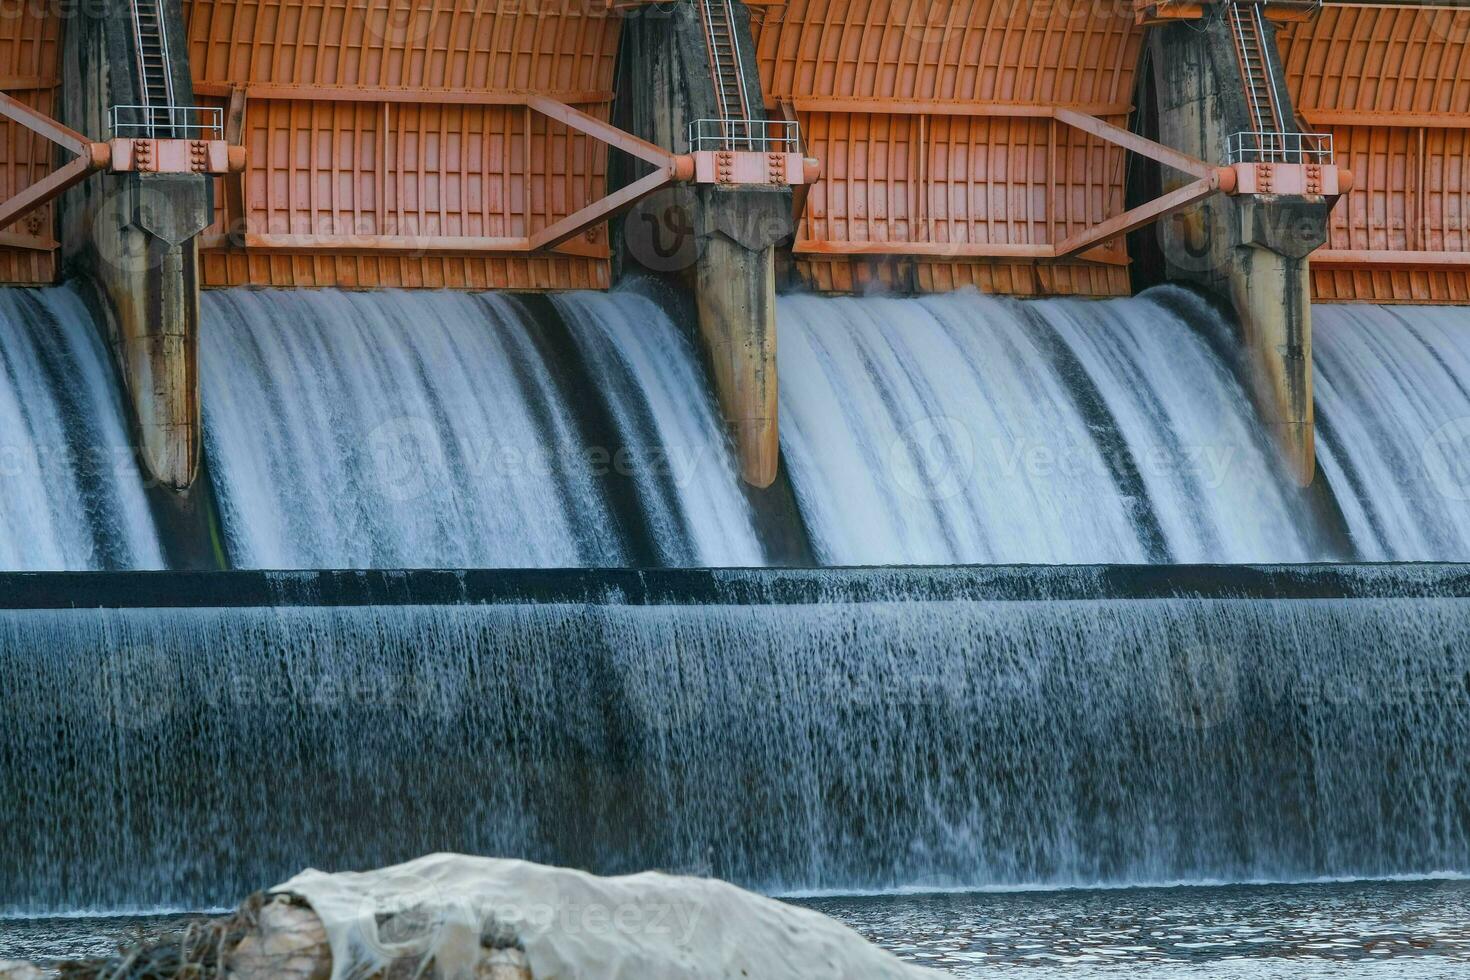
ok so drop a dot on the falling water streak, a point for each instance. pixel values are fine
(189, 756)
(964, 428)
(347, 430)
(70, 492)
(1393, 426)
(683, 471)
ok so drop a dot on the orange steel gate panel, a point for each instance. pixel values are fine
(29, 53)
(400, 118)
(1392, 84)
(920, 114)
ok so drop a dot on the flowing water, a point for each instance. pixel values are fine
(963, 428)
(353, 430)
(70, 493)
(1405, 930)
(188, 756)
(1393, 426)
(456, 430)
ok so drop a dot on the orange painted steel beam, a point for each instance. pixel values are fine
(962, 250)
(954, 250)
(49, 187)
(31, 243)
(90, 158)
(390, 245)
(31, 83)
(1387, 118)
(608, 133)
(1084, 244)
(1132, 141)
(945, 107)
(593, 214)
(1385, 258)
(413, 95)
(39, 122)
(1160, 207)
(672, 168)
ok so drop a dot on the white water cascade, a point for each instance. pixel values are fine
(1393, 427)
(462, 430)
(71, 497)
(964, 428)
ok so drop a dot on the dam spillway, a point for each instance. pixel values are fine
(356, 431)
(73, 497)
(344, 430)
(830, 446)
(854, 730)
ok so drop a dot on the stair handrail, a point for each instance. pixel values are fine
(1245, 66)
(1277, 112)
(739, 67)
(717, 65)
(167, 67)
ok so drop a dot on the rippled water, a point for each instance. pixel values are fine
(1412, 929)
(1388, 929)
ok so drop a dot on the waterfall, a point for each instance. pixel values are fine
(963, 428)
(460, 430)
(1393, 426)
(71, 496)
(189, 756)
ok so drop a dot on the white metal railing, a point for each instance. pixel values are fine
(190, 122)
(761, 135)
(1280, 148)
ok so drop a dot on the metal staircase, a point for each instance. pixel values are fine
(1262, 93)
(155, 74)
(727, 69)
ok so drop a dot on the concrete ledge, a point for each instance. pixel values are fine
(1023, 583)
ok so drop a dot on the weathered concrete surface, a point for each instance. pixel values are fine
(666, 83)
(737, 319)
(1251, 248)
(130, 238)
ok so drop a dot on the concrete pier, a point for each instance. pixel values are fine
(1251, 247)
(130, 240)
(667, 85)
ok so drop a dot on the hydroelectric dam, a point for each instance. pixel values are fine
(839, 447)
